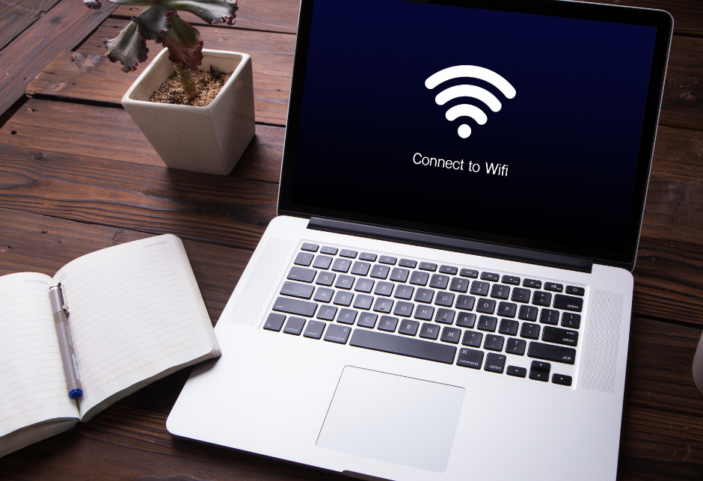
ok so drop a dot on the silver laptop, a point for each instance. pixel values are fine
(446, 291)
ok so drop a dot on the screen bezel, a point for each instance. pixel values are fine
(586, 11)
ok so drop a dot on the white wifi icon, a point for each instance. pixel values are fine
(466, 110)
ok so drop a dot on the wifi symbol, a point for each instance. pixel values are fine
(466, 110)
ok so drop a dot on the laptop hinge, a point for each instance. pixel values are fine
(452, 244)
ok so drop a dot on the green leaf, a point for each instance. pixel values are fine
(128, 47)
(152, 21)
(212, 11)
(185, 47)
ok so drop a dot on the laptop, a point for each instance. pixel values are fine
(446, 291)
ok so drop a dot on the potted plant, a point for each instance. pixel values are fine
(209, 138)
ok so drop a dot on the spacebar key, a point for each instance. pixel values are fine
(404, 346)
(293, 306)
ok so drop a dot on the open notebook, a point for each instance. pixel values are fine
(135, 315)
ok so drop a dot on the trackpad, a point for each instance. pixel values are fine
(392, 418)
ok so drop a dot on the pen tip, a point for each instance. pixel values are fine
(75, 394)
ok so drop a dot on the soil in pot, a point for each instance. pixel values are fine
(208, 85)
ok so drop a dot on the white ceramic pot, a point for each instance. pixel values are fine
(202, 139)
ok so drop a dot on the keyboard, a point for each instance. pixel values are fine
(447, 314)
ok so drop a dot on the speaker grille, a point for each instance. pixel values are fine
(601, 354)
(253, 299)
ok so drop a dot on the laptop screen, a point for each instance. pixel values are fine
(505, 126)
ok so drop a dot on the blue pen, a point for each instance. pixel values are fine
(70, 368)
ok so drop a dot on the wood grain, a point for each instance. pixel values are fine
(682, 104)
(109, 133)
(61, 29)
(271, 15)
(98, 80)
(17, 15)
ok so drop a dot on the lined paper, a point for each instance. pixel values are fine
(32, 382)
(132, 315)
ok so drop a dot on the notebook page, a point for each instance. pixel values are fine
(32, 382)
(133, 314)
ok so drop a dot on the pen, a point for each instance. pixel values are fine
(68, 357)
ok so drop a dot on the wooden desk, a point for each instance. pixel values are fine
(77, 175)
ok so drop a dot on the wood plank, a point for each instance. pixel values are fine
(688, 14)
(270, 15)
(17, 15)
(96, 79)
(62, 28)
(109, 133)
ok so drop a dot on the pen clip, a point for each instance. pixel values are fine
(59, 289)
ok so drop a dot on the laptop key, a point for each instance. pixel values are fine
(487, 323)
(366, 256)
(294, 289)
(329, 250)
(294, 306)
(294, 325)
(322, 262)
(383, 305)
(532, 283)
(314, 329)
(551, 352)
(487, 306)
(572, 321)
(540, 298)
(495, 362)
(344, 282)
(529, 331)
(448, 270)
(439, 281)
(429, 331)
(465, 302)
(466, 319)
(325, 278)
(301, 274)
(367, 319)
(348, 253)
(472, 339)
(387, 260)
(553, 286)
(560, 336)
(568, 303)
(470, 358)
(516, 346)
(360, 268)
(515, 281)
(327, 313)
(419, 278)
(347, 316)
(520, 295)
(451, 335)
(507, 309)
(527, 313)
(407, 263)
(459, 285)
(516, 371)
(341, 265)
(500, 291)
(404, 292)
(307, 246)
(403, 309)
(472, 273)
(388, 323)
(549, 316)
(479, 288)
(539, 371)
(404, 346)
(490, 276)
(337, 333)
(424, 313)
(363, 302)
(303, 259)
(444, 299)
(408, 327)
(561, 379)
(343, 298)
(508, 327)
(379, 271)
(323, 294)
(428, 266)
(274, 322)
(424, 295)
(493, 342)
(399, 275)
(384, 289)
(444, 316)
(576, 291)
(364, 285)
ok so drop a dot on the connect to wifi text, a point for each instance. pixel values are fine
(474, 167)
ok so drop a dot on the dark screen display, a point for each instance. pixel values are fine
(532, 130)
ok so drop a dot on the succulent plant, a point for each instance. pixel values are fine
(160, 22)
